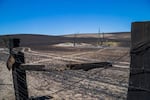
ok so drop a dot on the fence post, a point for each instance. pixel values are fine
(19, 74)
(139, 82)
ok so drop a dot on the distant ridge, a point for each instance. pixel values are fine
(39, 41)
(100, 32)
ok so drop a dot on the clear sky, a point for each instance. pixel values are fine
(57, 17)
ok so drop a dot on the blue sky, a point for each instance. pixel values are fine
(57, 17)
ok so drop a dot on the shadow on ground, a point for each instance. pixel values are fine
(89, 66)
(41, 98)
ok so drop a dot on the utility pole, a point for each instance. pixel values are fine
(99, 38)
(74, 40)
(102, 38)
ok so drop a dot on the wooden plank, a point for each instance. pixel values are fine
(33, 67)
(139, 83)
(88, 66)
(137, 33)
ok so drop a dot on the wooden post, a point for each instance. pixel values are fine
(19, 79)
(20, 84)
(19, 71)
(19, 75)
(139, 82)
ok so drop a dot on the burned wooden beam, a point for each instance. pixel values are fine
(139, 82)
(89, 66)
(33, 67)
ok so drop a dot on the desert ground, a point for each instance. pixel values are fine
(60, 82)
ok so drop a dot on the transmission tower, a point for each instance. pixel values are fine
(99, 41)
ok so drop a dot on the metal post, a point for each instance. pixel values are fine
(139, 82)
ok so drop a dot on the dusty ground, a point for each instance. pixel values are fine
(97, 84)
(6, 87)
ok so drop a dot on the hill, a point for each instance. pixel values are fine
(46, 42)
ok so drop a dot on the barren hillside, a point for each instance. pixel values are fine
(46, 42)
(62, 82)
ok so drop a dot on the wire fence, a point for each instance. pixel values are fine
(82, 76)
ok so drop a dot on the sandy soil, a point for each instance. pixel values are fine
(96, 84)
